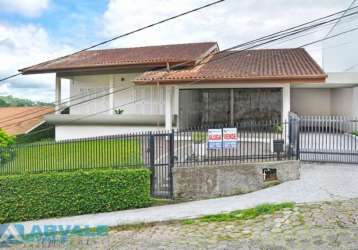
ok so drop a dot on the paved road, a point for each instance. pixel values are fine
(322, 225)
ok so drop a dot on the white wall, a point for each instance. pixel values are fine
(325, 101)
(68, 132)
(126, 96)
(341, 101)
(355, 102)
(311, 101)
(85, 88)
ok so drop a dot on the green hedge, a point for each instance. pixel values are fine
(35, 196)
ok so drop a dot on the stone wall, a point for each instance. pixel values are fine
(199, 182)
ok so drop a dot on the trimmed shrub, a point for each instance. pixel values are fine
(35, 196)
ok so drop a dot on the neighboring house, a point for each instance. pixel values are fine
(339, 95)
(26, 123)
(206, 89)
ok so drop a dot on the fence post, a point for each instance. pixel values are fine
(152, 162)
(290, 137)
(298, 126)
(171, 162)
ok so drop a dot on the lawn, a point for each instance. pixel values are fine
(86, 154)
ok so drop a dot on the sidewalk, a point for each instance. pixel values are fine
(317, 183)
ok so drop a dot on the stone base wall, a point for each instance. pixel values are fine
(200, 182)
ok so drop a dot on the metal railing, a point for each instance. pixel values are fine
(69, 155)
(254, 142)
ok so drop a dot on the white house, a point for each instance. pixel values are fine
(125, 90)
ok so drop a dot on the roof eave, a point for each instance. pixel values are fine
(28, 71)
(299, 79)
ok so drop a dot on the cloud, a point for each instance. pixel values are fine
(26, 45)
(31, 8)
(229, 23)
(4, 89)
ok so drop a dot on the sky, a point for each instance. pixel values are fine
(33, 31)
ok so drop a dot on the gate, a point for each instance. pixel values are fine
(328, 139)
(161, 155)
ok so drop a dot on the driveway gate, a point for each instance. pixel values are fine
(161, 155)
(328, 139)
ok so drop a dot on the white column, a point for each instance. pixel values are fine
(286, 102)
(111, 95)
(58, 98)
(168, 107)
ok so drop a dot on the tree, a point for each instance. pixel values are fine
(3, 103)
(6, 141)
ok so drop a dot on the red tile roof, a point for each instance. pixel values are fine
(20, 120)
(150, 55)
(252, 65)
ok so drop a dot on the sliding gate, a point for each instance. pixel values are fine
(328, 139)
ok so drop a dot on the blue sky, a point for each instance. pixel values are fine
(32, 31)
(70, 22)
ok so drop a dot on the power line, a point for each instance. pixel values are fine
(131, 32)
(60, 104)
(81, 118)
(310, 33)
(266, 41)
(76, 104)
(329, 37)
(345, 11)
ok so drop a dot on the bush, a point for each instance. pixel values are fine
(199, 137)
(35, 196)
(6, 141)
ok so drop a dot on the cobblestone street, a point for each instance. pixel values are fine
(309, 226)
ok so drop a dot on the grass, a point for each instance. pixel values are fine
(66, 156)
(245, 214)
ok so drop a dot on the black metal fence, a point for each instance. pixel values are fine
(249, 142)
(309, 138)
(161, 151)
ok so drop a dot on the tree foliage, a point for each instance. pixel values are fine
(7, 101)
(6, 141)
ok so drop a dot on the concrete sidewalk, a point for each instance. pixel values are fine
(317, 183)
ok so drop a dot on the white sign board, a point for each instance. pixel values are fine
(229, 137)
(215, 139)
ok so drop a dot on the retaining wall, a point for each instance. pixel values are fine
(208, 181)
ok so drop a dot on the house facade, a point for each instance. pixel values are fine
(180, 86)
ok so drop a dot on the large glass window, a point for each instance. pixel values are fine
(211, 107)
(257, 104)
